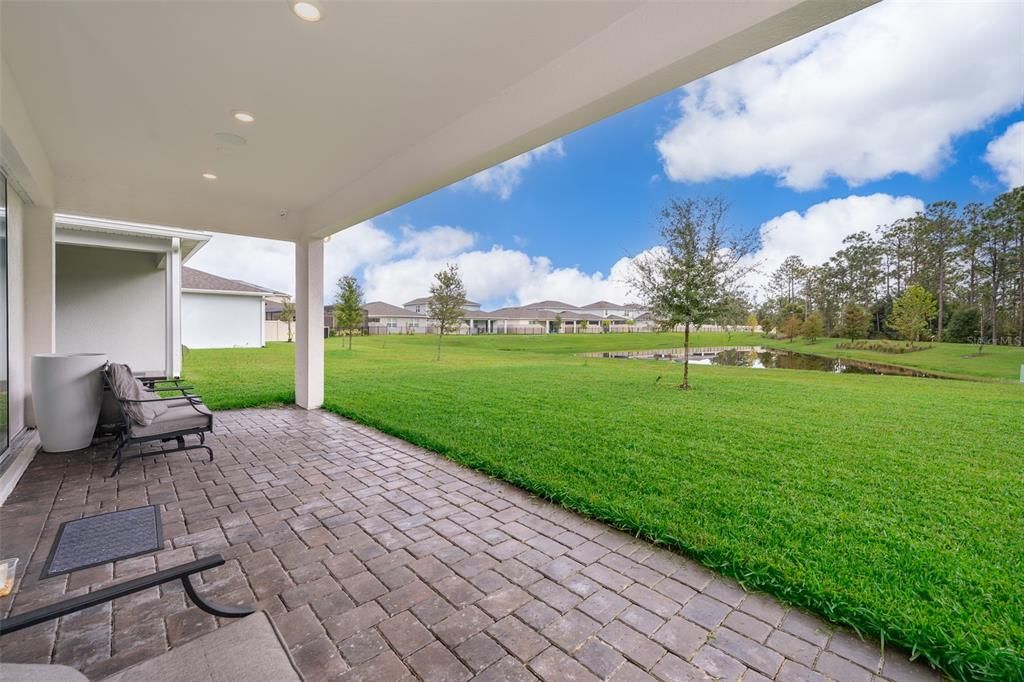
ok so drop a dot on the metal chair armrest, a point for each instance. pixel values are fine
(157, 400)
(123, 589)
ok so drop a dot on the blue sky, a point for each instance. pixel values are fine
(856, 124)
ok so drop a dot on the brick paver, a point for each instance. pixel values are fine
(379, 560)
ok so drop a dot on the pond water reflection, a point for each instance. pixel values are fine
(763, 358)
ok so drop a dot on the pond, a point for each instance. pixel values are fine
(758, 357)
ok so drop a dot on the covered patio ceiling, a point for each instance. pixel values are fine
(113, 108)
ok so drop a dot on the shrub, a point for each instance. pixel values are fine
(964, 325)
(879, 346)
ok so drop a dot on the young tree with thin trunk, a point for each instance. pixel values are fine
(690, 279)
(288, 316)
(791, 327)
(855, 324)
(348, 307)
(912, 313)
(812, 327)
(447, 302)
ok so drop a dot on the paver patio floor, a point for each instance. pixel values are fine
(379, 560)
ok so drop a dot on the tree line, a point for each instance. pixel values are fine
(969, 260)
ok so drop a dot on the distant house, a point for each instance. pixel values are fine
(540, 317)
(217, 312)
(384, 318)
(419, 305)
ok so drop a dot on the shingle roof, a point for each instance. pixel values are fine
(550, 304)
(524, 313)
(197, 279)
(600, 305)
(423, 300)
(382, 309)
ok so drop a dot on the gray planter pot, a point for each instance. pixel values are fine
(67, 389)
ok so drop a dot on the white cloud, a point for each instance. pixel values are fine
(505, 177)
(271, 264)
(817, 233)
(883, 91)
(436, 241)
(1006, 155)
(264, 262)
(499, 276)
(396, 270)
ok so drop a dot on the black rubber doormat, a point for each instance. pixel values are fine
(103, 538)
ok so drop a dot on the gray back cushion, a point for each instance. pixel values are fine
(127, 387)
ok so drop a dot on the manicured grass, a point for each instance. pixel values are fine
(996, 363)
(890, 504)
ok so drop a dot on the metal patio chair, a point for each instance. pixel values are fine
(147, 417)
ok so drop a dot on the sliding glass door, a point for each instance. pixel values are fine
(5, 410)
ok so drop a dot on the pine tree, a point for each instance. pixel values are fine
(791, 327)
(855, 324)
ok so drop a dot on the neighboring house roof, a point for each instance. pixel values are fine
(197, 280)
(382, 309)
(423, 300)
(601, 305)
(524, 313)
(550, 304)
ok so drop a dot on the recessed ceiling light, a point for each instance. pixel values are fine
(244, 116)
(307, 10)
(209, 176)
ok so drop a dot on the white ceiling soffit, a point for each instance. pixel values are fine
(377, 104)
(86, 231)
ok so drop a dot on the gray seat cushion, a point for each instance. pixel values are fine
(33, 672)
(179, 417)
(249, 649)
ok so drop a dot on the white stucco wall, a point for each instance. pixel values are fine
(221, 320)
(114, 302)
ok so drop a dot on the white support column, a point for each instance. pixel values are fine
(174, 362)
(309, 314)
(40, 273)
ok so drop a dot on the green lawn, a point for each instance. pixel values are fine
(891, 504)
(996, 363)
